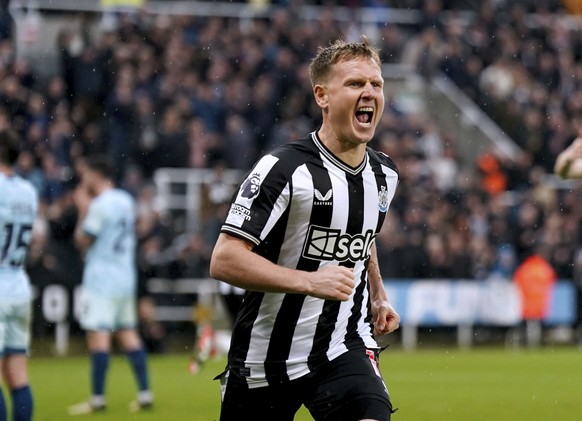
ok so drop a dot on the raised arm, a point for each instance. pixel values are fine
(569, 162)
(234, 262)
(82, 200)
(386, 319)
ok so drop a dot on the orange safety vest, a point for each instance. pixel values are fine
(535, 278)
(573, 6)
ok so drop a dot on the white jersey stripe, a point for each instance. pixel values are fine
(306, 326)
(276, 212)
(261, 338)
(302, 185)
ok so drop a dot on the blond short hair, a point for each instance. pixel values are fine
(337, 51)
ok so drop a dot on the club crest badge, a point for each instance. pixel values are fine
(383, 199)
(251, 186)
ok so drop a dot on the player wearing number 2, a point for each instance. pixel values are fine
(105, 234)
(299, 237)
(18, 205)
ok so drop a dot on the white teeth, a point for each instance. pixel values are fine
(366, 110)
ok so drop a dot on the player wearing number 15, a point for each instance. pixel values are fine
(18, 205)
(106, 235)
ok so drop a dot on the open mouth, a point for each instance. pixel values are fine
(365, 116)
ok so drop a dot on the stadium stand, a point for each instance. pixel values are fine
(161, 91)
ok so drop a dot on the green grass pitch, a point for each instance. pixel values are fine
(448, 384)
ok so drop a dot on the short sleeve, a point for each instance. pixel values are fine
(260, 201)
(93, 223)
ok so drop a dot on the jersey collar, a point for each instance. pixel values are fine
(335, 160)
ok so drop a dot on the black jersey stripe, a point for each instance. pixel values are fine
(270, 191)
(384, 159)
(352, 339)
(328, 319)
(270, 247)
(368, 306)
(321, 213)
(355, 225)
(323, 333)
(356, 200)
(241, 334)
(288, 316)
(381, 184)
(282, 338)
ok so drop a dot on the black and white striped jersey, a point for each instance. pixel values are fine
(304, 209)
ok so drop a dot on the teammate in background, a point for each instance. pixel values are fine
(18, 206)
(299, 237)
(569, 162)
(106, 234)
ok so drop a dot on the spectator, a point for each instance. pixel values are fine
(6, 21)
(172, 148)
(27, 168)
(535, 278)
(391, 44)
(120, 124)
(424, 51)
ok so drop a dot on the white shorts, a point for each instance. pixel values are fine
(14, 328)
(101, 313)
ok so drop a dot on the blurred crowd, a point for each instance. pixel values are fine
(157, 91)
(521, 63)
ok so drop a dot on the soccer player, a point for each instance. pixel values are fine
(18, 206)
(299, 238)
(569, 162)
(107, 237)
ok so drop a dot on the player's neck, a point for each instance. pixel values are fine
(349, 153)
(6, 170)
(104, 186)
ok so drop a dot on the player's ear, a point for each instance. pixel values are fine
(320, 94)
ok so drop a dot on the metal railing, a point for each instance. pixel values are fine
(181, 190)
(472, 115)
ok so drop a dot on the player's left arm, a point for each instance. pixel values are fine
(385, 317)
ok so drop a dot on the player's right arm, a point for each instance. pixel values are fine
(82, 200)
(234, 262)
(83, 240)
(569, 162)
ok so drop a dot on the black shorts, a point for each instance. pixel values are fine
(349, 388)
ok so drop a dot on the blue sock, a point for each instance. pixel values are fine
(2, 407)
(138, 362)
(22, 403)
(99, 365)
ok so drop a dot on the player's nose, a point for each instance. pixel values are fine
(369, 91)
